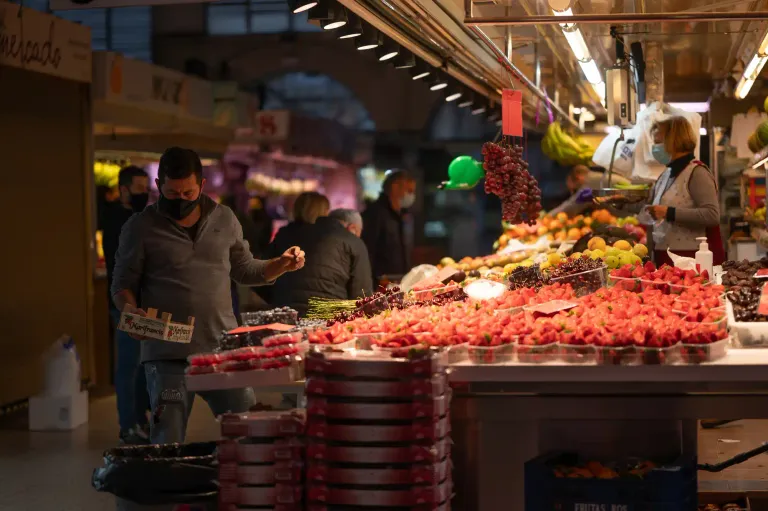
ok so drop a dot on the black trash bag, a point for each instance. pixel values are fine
(160, 474)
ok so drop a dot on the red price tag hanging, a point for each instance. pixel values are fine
(762, 307)
(512, 113)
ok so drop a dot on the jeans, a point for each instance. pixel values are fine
(171, 402)
(130, 381)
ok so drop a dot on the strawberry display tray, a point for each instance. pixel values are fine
(344, 409)
(281, 494)
(263, 424)
(365, 364)
(246, 451)
(414, 496)
(417, 431)
(383, 475)
(444, 506)
(285, 472)
(406, 453)
(407, 389)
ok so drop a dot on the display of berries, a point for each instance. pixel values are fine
(507, 176)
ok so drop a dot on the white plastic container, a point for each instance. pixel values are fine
(62, 368)
(704, 259)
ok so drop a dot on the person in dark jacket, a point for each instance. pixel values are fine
(130, 381)
(383, 226)
(337, 263)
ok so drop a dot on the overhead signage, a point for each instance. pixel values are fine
(43, 43)
(267, 126)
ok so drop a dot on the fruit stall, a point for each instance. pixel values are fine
(567, 356)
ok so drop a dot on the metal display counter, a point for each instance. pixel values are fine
(504, 415)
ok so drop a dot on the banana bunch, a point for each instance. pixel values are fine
(565, 149)
(105, 174)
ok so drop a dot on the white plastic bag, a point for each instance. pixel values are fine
(625, 153)
(645, 165)
(62, 368)
(684, 263)
(416, 275)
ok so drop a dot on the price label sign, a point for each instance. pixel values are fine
(512, 113)
(762, 307)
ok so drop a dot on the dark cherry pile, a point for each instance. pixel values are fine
(370, 306)
(743, 289)
(507, 176)
(454, 295)
(284, 315)
(585, 275)
(527, 277)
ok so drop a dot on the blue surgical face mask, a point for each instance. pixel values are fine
(660, 154)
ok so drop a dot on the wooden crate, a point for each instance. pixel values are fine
(162, 329)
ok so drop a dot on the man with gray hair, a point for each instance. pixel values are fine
(336, 267)
(350, 219)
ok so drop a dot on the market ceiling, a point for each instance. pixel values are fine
(703, 45)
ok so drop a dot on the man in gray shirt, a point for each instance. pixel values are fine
(179, 255)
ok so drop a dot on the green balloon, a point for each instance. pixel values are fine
(464, 173)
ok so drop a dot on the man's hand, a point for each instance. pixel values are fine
(291, 260)
(132, 309)
(658, 212)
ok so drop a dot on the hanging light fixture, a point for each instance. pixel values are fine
(494, 116)
(298, 6)
(321, 11)
(438, 83)
(468, 99)
(404, 60)
(369, 39)
(338, 18)
(453, 92)
(479, 108)
(420, 71)
(353, 28)
(387, 50)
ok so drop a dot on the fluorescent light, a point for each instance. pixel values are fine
(567, 12)
(599, 89)
(387, 56)
(334, 25)
(749, 71)
(696, 107)
(438, 86)
(453, 97)
(577, 111)
(464, 104)
(591, 72)
(421, 75)
(577, 43)
(742, 89)
(763, 49)
(760, 163)
(703, 131)
(479, 110)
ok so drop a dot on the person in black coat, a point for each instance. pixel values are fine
(336, 265)
(383, 226)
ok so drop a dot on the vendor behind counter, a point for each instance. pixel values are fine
(580, 183)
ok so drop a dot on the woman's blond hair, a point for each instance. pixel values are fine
(678, 135)
(309, 206)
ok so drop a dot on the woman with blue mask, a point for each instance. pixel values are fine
(684, 200)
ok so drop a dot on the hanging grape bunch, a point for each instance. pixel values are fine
(507, 176)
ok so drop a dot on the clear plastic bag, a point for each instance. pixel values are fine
(660, 230)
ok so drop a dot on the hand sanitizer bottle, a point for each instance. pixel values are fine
(704, 257)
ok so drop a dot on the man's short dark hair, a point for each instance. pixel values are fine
(179, 163)
(126, 175)
(394, 177)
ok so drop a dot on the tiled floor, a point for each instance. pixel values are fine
(52, 471)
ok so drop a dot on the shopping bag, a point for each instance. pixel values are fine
(160, 474)
(624, 153)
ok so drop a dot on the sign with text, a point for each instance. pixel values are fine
(267, 126)
(127, 81)
(43, 43)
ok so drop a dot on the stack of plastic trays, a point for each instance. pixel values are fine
(261, 461)
(378, 432)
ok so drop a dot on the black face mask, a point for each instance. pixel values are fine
(139, 201)
(178, 209)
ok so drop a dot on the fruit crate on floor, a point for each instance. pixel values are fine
(670, 487)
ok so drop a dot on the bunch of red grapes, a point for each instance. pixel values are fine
(506, 175)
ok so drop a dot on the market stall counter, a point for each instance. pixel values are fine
(505, 415)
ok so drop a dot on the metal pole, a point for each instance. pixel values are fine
(619, 18)
(519, 74)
